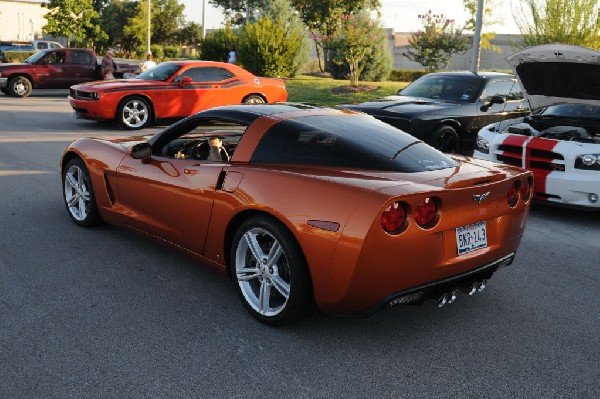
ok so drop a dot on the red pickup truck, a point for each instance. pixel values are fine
(56, 69)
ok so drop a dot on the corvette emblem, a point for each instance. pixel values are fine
(480, 197)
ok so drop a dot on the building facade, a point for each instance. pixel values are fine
(21, 20)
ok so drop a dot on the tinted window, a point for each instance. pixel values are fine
(161, 72)
(516, 93)
(42, 45)
(206, 74)
(57, 57)
(444, 87)
(81, 57)
(497, 88)
(355, 141)
(573, 110)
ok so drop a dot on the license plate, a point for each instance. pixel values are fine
(471, 237)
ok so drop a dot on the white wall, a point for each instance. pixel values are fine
(21, 20)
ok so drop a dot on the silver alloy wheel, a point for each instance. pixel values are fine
(254, 100)
(135, 113)
(19, 87)
(77, 194)
(262, 272)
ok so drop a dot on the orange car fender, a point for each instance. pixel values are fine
(317, 227)
(101, 172)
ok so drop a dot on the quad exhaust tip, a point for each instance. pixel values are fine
(449, 297)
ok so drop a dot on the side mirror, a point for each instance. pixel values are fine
(141, 151)
(493, 100)
(186, 80)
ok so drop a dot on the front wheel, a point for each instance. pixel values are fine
(446, 139)
(270, 272)
(134, 113)
(254, 99)
(19, 86)
(78, 194)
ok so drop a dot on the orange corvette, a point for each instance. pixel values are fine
(172, 90)
(305, 206)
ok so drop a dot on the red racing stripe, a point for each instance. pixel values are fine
(539, 174)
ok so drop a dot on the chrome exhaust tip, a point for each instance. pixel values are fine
(482, 285)
(451, 297)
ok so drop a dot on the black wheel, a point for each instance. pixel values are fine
(270, 272)
(254, 99)
(446, 139)
(134, 113)
(5, 91)
(78, 194)
(19, 86)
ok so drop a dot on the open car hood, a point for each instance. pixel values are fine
(558, 73)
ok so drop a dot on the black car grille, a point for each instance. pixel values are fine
(538, 159)
(512, 155)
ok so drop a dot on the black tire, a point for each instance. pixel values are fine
(5, 91)
(134, 113)
(78, 194)
(446, 139)
(254, 99)
(19, 86)
(286, 281)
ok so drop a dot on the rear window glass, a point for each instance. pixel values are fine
(350, 141)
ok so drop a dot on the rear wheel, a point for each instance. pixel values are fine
(19, 86)
(254, 99)
(446, 139)
(270, 271)
(134, 113)
(78, 194)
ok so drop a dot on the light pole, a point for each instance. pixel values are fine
(203, 19)
(477, 37)
(149, 51)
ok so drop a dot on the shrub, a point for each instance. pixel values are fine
(16, 56)
(398, 75)
(217, 45)
(172, 51)
(265, 48)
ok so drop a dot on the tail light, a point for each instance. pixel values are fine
(426, 212)
(527, 189)
(512, 196)
(393, 218)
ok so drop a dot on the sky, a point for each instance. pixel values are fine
(402, 15)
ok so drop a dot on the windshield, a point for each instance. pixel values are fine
(356, 141)
(35, 58)
(573, 111)
(444, 87)
(161, 72)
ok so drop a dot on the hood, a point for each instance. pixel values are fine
(402, 105)
(558, 73)
(100, 85)
(15, 65)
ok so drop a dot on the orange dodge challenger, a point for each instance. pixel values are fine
(304, 206)
(172, 90)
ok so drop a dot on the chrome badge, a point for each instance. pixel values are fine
(480, 197)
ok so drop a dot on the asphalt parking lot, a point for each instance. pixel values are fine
(104, 313)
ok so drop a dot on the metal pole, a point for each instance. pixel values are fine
(203, 19)
(477, 37)
(149, 51)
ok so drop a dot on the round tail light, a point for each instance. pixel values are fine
(527, 189)
(426, 212)
(393, 218)
(512, 196)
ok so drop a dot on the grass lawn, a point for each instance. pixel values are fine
(317, 90)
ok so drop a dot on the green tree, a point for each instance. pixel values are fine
(113, 19)
(281, 13)
(559, 21)
(190, 33)
(77, 20)
(353, 43)
(322, 19)
(488, 21)
(435, 44)
(166, 21)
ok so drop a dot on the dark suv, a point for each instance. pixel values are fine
(447, 109)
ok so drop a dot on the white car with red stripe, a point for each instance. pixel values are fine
(560, 140)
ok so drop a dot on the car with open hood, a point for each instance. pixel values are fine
(170, 90)
(447, 109)
(560, 140)
(307, 207)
